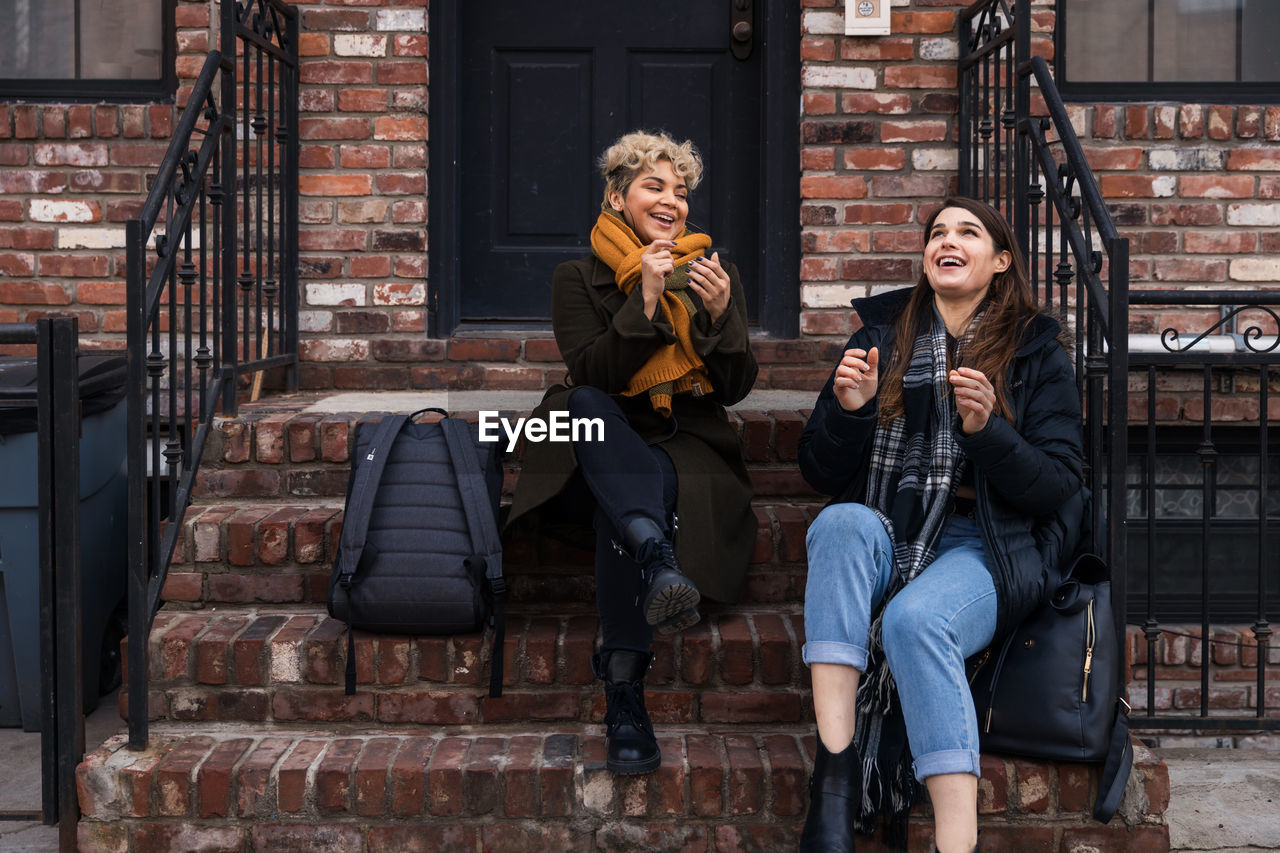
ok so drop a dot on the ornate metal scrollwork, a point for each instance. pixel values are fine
(1170, 337)
(989, 25)
(186, 185)
(262, 18)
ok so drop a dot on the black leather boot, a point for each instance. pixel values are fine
(632, 747)
(670, 599)
(835, 789)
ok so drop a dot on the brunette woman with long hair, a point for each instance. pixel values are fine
(949, 436)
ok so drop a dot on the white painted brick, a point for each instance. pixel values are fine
(400, 294)
(334, 349)
(411, 100)
(939, 49)
(285, 661)
(932, 159)
(823, 23)
(59, 154)
(91, 238)
(1256, 269)
(44, 210)
(315, 321)
(348, 294)
(829, 295)
(359, 45)
(406, 20)
(1186, 159)
(830, 77)
(888, 98)
(1164, 186)
(1253, 214)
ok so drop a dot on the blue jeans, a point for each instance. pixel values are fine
(945, 615)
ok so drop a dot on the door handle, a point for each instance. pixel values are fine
(740, 28)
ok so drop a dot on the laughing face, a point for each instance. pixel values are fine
(655, 205)
(960, 258)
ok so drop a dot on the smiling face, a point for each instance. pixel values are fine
(655, 204)
(960, 257)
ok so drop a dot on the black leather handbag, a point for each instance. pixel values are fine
(1052, 688)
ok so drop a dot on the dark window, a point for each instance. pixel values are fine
(1174, 547)
(115, 50)
(1185, 50)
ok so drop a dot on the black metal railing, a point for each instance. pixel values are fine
(1030, 164)
(1032, 169)
(1203, 502)
(58, 521)
(212, 287)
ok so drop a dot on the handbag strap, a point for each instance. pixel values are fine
(355, 522)
(1116, 770)
(486, 544)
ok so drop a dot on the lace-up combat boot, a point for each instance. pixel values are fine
(670, 599)
(632, 747)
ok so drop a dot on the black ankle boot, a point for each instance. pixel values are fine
(632, 747)
(670, 599)
(835, 790)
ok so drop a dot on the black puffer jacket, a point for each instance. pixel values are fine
(1028, 474)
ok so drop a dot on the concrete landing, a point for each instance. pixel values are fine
(1223, 800)
(20, 758)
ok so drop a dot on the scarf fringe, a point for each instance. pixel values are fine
(915, 464)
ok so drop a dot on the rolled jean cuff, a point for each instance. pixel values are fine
(948, 761)
(828, 652)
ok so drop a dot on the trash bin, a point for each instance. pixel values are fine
(103, 529)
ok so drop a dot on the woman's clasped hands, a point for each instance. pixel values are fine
(707, 278)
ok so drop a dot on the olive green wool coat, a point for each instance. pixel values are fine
(605, 337)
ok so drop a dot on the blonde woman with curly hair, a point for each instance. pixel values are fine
(653, 331)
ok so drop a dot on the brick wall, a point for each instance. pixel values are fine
(1192, 185)
(1177, 661)
(1195, 186)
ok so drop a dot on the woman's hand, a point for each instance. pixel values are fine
(975, 398)
(711, 282)
(857, 378)
(655, 265)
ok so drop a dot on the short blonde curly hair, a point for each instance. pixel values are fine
(638, 152)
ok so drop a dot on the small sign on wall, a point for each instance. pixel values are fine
(866, 17)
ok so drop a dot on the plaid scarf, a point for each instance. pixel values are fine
(915, 464)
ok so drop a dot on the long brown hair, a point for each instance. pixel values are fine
(1007, 310)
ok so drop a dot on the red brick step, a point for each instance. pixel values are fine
(738, 666)
(355, 790)
(279, 553)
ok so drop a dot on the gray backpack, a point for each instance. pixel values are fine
(420, 551)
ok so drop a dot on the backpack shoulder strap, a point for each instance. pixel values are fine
(355, 522)
(483, 527)
(1116, 770)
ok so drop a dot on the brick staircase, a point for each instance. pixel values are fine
(255, 747)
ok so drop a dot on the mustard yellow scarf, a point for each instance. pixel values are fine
(675, 368)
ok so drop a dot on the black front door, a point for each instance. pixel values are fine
(543, 88)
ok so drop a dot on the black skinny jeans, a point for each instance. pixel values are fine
(628, 479)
